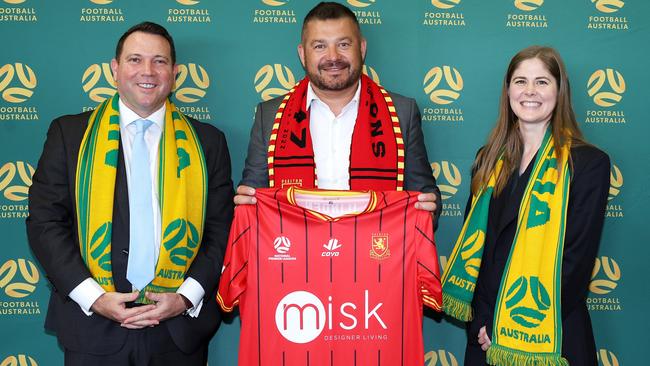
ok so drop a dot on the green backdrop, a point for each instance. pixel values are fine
(448, 54)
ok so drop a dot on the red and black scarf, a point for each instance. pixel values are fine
(376, 154)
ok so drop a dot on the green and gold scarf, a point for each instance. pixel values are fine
(527, 319)
(182, 184)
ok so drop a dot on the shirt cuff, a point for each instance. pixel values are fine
(86, 293)
(194, 292)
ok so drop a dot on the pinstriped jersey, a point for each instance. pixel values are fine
(331, 278)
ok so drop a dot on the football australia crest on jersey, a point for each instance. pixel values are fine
(282, 249)
(379, 246)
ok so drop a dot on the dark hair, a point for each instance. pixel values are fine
(150, 28)
(326, 10)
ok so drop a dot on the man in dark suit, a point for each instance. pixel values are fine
(97, 319)
(334, 95)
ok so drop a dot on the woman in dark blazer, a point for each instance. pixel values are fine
(535, 106)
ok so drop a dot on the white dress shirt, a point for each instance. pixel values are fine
(87, 292)
(331, 138)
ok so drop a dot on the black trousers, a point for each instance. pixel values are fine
(143, 347)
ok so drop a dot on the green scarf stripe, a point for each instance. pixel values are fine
(558, 268)
(83, 184)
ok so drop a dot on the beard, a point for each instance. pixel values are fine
(338, 83)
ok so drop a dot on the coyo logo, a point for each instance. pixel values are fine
(27, 78)
(445, 4)
(91, 77)
(528, 5)
(616, 83)
(432, 81)
(523, 315)
(608, 6)
(440, 358)
(200, 78)
(301, 316)
(28, 272)
(265, 75)
(615, 182)
(361, 4)
(612, 274)
(451, 176)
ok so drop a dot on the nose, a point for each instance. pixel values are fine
(147, 67)
(530, 89)
(332, 52)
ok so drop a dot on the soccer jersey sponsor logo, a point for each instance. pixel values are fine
(301, 316)
(331, 248)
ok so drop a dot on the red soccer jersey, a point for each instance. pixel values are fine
(331, 278)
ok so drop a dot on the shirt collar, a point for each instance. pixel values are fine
(127, 116)
(311, 95)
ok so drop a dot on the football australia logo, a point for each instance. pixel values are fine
(98, 83)
(190, 13)
(444, 17)
(101, 13)
(606, 95)
(606, 88)
(17, 82)
(273, 81)
(15, 13)
(605, 278)
(17, 85)
(15, 180)
(443, 84)
(440, 358)
(282, 248)
(608, 6)
(530, 18)
(19, 360)
(18, 278)
(606, 358)
(198, 77)
(280, 13)
(532, 314)
(606, 18)
(448, 178)
(366, 15)
(615, 209)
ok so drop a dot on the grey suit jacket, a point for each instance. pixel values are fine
(417, 169)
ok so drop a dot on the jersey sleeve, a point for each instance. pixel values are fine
(428, 269)
(235, 269)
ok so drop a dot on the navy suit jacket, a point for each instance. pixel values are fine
(52, 234)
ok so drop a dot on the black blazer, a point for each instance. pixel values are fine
(585, 217)
(52, 234)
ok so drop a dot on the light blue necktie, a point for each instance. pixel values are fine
(141, 266)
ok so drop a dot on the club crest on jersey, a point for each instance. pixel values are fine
(331, 248)
(379, 247)
(282, 245)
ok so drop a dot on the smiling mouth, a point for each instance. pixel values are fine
(531, 104)
(334, 66)
(146, 85)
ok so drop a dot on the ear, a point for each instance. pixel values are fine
(114, 65)
(301, 54)
(363, 49)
